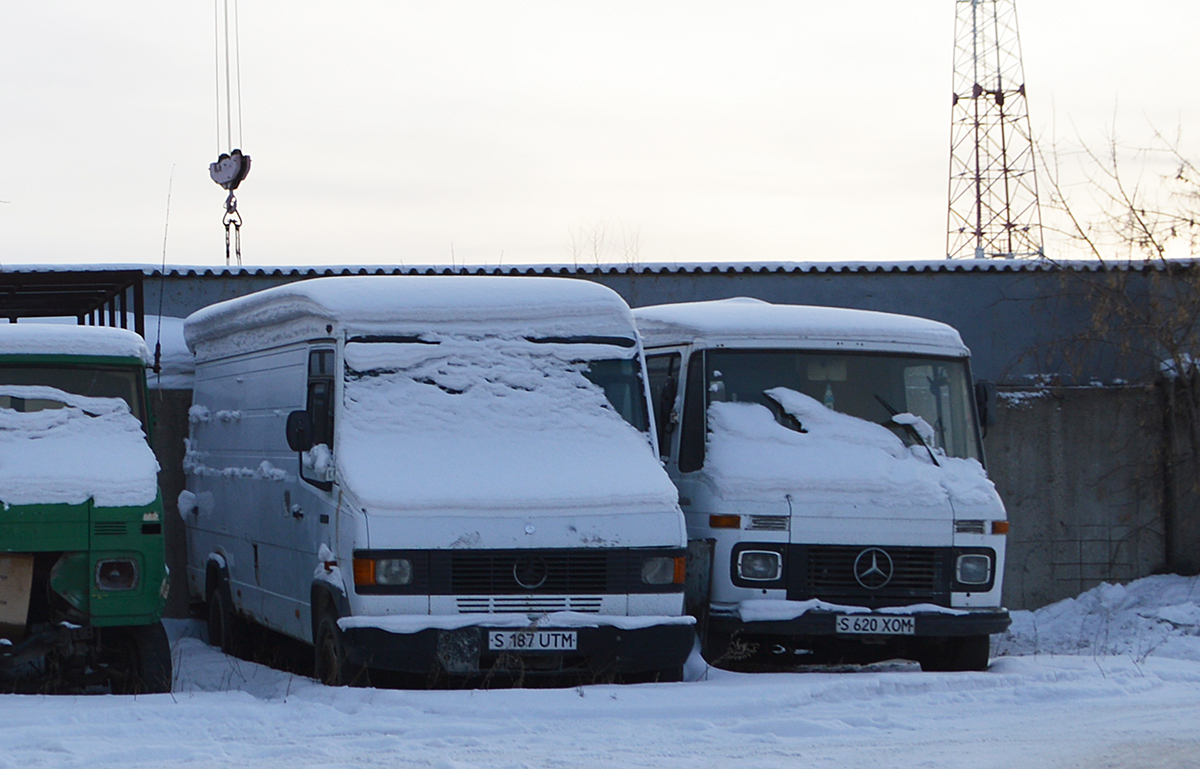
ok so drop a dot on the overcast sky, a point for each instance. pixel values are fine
(518, 132)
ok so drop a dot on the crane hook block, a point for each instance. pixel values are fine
(230, 169)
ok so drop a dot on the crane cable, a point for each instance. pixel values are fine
(231, 166)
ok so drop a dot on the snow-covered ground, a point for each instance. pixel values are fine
(1110, 679)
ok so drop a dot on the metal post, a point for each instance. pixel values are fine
(139, 308)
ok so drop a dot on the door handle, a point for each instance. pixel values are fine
(295, 510)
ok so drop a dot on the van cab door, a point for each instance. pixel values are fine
(677, 389)
(306, 509)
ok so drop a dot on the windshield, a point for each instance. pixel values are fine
(873, 387)
(499, 366)
(621, 381)
(90, 381)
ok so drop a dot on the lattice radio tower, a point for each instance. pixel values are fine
(994, 209)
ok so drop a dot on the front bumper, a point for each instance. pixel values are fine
(821, 623)
(601, 650)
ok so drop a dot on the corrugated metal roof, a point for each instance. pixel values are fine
(652, 268)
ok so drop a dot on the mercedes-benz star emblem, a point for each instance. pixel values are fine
(873, 568)
(530, 572)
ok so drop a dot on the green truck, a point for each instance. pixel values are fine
(83, 578)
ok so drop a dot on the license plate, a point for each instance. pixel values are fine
(874, 624)
(532, 640)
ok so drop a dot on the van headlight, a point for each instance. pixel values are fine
(383, 571)
(113, 574)
(663, 570)
(973, 569)
(760, 565)
(393, 571)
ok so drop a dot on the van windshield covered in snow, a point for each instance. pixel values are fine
(490, 369)
(873, 387)
(91, 381)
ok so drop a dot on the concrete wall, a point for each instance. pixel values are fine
(1081, 473)
(1181, 472)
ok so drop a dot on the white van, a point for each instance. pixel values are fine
(830, 468)
(434, 475)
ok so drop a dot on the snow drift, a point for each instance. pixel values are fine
(1155, 616)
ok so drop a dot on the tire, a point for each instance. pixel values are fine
(330, 664)
(972, 653)
(225, 628)
(144, 660)
(969, 653)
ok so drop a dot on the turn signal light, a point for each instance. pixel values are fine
(999, 527)
(725, 521)
(680, 570)
(364, 571)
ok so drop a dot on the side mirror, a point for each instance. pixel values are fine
(299, 431)
(985, 403)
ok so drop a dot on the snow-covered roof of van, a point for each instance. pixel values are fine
(742, 320)
(409, 304)
(64, 339)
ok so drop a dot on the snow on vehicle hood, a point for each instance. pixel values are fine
(88, 448)
(751, 456)
(493, 424)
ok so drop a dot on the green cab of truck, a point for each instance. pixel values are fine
(83, 577)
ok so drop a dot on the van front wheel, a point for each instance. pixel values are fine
(330, 665)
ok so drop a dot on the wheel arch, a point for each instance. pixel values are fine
(216, 575)
(325, 596)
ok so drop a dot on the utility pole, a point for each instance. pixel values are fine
(994, 212)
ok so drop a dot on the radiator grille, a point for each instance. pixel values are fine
(492, 573)
(918, 575)
(832, 568)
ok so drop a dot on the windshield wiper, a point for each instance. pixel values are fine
(782, 415)
(910, 428)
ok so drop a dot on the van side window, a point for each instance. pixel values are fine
(692, 432)
(320, 407)
(663, 371)
(320, 396)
